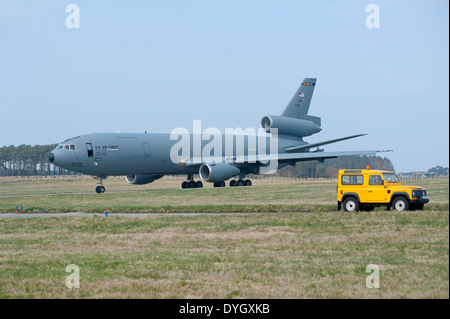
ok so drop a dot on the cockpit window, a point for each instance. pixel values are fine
(68, 147)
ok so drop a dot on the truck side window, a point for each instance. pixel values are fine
(352, 179)
(375, 180)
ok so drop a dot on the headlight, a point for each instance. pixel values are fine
(414, 194)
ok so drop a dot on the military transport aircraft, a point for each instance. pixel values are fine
(215, 157)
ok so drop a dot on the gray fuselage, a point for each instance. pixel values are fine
(110, 154)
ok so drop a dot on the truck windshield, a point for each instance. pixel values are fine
(390, 177)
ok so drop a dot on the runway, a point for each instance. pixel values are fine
(84, 214)
(60, 194)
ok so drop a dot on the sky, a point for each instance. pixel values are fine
(135, 66)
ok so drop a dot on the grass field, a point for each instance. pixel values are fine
(296, 246)
(165, 196)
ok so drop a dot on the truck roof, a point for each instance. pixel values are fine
(362, 171)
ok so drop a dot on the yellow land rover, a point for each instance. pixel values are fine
(365, 189)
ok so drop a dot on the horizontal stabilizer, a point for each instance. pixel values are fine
(308, 146)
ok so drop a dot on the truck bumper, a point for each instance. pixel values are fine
(421, 200)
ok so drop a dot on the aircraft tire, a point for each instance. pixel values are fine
(233, 183)
(100, 189)
(240, 182)
(184, 185)
(248, 182)
(198, 184)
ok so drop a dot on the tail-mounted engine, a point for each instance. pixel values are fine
(290, 126)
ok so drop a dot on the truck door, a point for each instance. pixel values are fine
(376, 192)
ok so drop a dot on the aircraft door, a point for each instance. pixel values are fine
(90, 150)
(146, 150)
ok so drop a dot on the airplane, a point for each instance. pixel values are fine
(145, 157)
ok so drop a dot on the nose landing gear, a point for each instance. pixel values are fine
(100, 189)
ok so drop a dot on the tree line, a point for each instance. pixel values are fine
(27, 160)
(437, 171)
(330, 167)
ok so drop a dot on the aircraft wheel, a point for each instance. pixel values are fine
(233, 183)
(184, 184)
(248, 182)
(100, 189)
(241, 182)
(192, 184)
(199, 184)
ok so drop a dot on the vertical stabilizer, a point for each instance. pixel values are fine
(298, 107)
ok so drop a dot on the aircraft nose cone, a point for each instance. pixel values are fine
(51, 157)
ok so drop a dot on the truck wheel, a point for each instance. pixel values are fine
(400, 204)
(351, 204)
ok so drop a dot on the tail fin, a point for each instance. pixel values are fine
(298, 107)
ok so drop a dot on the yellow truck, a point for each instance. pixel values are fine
(365, 189)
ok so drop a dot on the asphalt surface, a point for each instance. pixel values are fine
(84, 214)
(58, 194)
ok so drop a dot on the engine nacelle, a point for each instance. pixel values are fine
(142, 179)
(217, 172)
(289, 125)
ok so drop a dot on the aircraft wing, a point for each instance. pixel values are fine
(306, 156)
(308, 146)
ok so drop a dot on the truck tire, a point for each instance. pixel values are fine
(400, 204)
(351, 204)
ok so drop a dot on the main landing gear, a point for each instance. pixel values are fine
(234, 183)
(100, 189)
(240, 182)
(191, 183)
(219, 184)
